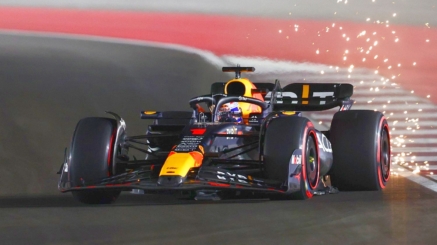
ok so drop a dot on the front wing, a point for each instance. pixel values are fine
(211, 178)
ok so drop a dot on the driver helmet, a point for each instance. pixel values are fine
(230, 112)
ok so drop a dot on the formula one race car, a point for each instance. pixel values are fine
(243, 137)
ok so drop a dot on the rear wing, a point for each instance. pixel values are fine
(312, 97)
(238, 70)
(301, 96)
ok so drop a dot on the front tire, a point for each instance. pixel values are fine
(91, 158)
(361, 149)
(283, 136)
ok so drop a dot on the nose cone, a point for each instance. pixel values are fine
(170, 180)
(176, 167)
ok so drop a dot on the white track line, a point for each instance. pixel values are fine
(206, 55)
(432, 185)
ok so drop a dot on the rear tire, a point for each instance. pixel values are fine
(91, 160)
(283, 136)
(361, 149)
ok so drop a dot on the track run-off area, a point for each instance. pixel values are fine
(391, 67)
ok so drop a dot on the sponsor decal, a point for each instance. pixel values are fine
(241, 98)
(305, 95)
(255, 118)
(323, 94)
(231, 177)
(188, 143)
(296, 159)
(305, 91)
(324, 143)
(233, 130)
(290, 95)
(198, 131)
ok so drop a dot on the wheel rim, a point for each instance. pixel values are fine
(311, 163)
(385, 155)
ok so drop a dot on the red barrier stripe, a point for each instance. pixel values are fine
(248, 36)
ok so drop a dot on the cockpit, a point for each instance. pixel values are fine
(237, 100)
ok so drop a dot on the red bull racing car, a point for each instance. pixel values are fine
(242, 137)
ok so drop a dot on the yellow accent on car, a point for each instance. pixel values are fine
(180, 163)
(305, 93)
(248, 85)
(201, 149)
(149, 112)
(289, 112)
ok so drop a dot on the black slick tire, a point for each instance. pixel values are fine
(283, 136)
(91, 160)
(361, 149)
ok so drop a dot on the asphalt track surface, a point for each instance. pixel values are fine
(404, 213)
(49, 89)
(48, 84)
